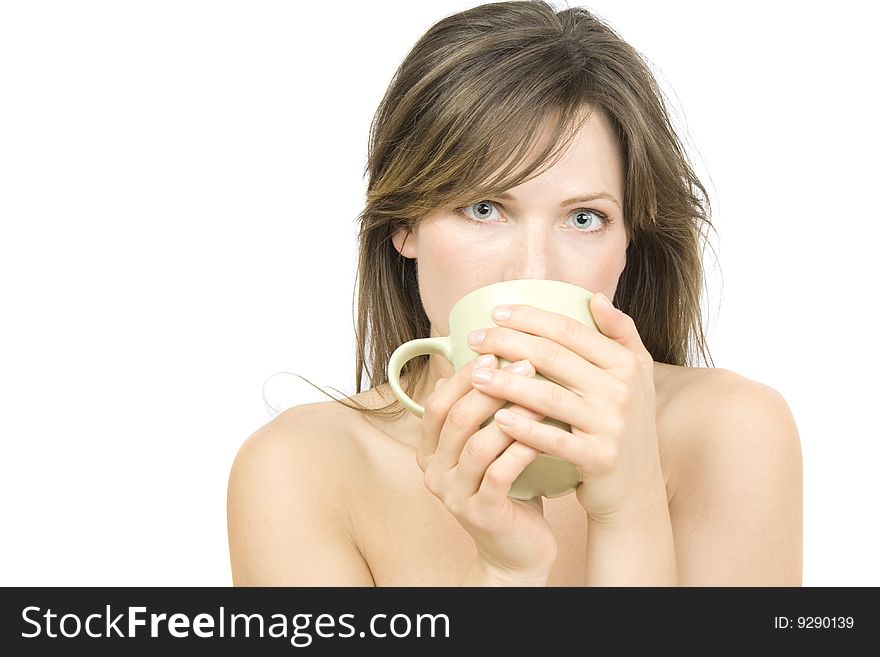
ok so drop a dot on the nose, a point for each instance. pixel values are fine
(532, 255)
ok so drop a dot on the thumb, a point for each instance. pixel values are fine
(615, 324)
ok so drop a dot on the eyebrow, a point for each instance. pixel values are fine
(571, 201)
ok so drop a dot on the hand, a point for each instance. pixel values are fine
(599, 382)
(471, 469)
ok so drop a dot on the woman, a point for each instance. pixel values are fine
(517, 142)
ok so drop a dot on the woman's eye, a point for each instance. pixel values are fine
(585, 217)
(481, 210)
(481, 213)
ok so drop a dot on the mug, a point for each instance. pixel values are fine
(547, 475)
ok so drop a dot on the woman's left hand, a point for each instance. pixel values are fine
(601, 383)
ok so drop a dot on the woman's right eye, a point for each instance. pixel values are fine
(481, 210)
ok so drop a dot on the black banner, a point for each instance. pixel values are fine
(336, 621)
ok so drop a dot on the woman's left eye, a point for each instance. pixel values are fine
(583, 217)
(582, 212)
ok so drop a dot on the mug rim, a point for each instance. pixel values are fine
(517, 282)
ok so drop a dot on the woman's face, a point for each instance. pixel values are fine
(538, 232)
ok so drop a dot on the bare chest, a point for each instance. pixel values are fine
(409, 538)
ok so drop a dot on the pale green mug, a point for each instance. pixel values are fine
(547, 475)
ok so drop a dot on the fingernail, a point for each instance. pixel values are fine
(484, 361)
(501, 312)
(476, 337)
(521, 367)
(504, 417)
(481, 376)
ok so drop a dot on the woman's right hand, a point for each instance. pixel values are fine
(471, 470)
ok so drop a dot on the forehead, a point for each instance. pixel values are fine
(593, 160)
(595, 149)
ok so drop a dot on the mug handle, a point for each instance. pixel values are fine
(406, 352)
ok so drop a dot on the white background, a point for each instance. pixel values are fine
(179, 183)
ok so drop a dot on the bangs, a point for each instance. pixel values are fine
(504, 155)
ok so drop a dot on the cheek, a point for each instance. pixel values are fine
(447, 271)
(609, 266)
(597, 269)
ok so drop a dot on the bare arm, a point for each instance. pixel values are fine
(286, 516)
(637, 553)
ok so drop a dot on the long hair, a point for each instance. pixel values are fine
(467, 102)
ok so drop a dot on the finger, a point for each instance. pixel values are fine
(583, 450)
(439, 402)
(617, 326)
(467, 416)
(423, 455)
(547, 398)
(481, 449)
(569, 364)
(582, 339)
(501, 474)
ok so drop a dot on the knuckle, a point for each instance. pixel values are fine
(503, 385)
(432, 480)
(560, 441)
(550, 351)
(495, 476)
(554, 396)
(622, 393)
(570, 327)
(475, 447)
(530, 430)
(616, 424)
(435, 406)
(634, 363)
(607, 457)
(457, 418)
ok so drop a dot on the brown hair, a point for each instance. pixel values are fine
(469, 100)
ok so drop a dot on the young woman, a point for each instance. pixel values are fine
(519, 142)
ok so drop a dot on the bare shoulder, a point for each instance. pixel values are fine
(287, 509)
(725, 399)
(310, 440)
(736, 487)
(726, 417)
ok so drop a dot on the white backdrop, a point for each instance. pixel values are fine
(179, 183)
